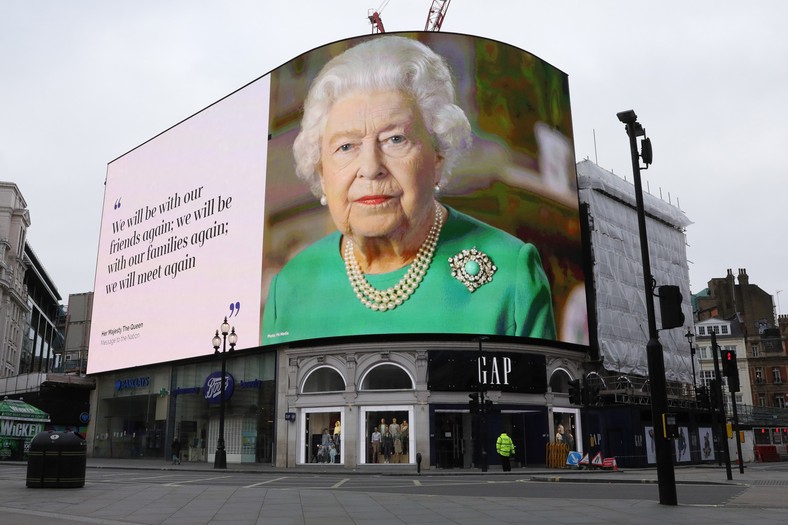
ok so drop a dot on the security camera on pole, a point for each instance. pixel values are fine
(666, 477)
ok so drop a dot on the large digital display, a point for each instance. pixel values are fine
(422, 183)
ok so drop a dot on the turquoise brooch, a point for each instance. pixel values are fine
(472, 268)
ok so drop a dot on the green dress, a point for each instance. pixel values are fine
(312, 297)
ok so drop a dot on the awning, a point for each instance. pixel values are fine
(17, 410)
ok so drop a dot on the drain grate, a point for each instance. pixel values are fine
(769, 482)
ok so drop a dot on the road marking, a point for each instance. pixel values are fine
(264, 482)
(417, 483)
(151, 477)
(340, 483)
(179, 483)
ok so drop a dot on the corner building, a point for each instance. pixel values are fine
(426, 384)
(222, 184)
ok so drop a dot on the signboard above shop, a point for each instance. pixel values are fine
(505, 371)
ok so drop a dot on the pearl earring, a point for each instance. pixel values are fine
(323, 200)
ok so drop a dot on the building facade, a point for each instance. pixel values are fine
(14, 221)
(747, 314)
(729, 337)
(286, 398)
(74, 359)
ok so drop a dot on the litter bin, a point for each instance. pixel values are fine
(57, 460)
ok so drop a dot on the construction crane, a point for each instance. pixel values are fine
(375, 20)
(435, 16)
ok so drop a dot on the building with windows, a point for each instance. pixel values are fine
(74, 359)
(14, 338)
(729, 337)
(32, 325)
(738, 310)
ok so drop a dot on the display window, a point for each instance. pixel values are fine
(565, 429)
(248, 410)
(322, 436)
(387, 435)
(131, 414)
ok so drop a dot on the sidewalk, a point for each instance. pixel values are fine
(690, 474)
(138, 502)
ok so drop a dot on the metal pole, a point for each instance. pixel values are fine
(220, 460)
(736, 430)
(666, 477)
(482, 409)
(692, 357)
(721, 400)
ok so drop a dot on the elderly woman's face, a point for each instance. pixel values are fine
(378, 165)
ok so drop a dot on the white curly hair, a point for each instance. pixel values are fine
(385, 63)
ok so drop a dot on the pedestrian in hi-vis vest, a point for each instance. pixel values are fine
(505, 448)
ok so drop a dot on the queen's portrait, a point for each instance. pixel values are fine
(380, 134)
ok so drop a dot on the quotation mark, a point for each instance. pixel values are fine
(235, 308)
(117, 203)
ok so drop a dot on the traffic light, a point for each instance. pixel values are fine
(575, 392)
(733, 383)
(474, 403)
(729, 367)
(730, 370)
(714, 396)
(702, 395)
(670, 306)
(591, 395)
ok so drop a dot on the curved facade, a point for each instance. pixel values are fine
(386, 385)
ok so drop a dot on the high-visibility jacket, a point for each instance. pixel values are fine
(504, 445)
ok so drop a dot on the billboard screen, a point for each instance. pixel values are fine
(422, 183)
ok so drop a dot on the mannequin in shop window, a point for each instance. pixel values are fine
(559, 434)
(569, 439)
(383, 426)
(322, 454)
(396, 437)
(332, 452)
(388, 446)
(337, 434)
(405, 432)
(326, 440)
(375, 441)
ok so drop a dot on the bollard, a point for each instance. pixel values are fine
(418, 462)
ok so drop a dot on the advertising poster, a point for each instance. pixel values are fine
(425, 189)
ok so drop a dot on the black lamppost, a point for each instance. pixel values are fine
(220, 458)
(666, 477)
(690, 336)
(482, 402)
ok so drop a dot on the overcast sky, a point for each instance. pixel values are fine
(83, 82)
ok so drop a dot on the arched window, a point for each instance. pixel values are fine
(323, 379)
(387, 377)
(559, 382)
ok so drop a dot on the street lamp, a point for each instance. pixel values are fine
(482, 387)
(690, 336)
(666, 477)
(220, 458)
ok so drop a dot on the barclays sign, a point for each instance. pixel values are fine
(132, 383)
(213, 386)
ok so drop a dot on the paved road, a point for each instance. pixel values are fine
(156, 493)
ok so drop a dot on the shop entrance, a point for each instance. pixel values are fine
(131, 430)
(453, 440)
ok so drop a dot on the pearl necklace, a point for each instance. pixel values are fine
(383, 300)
